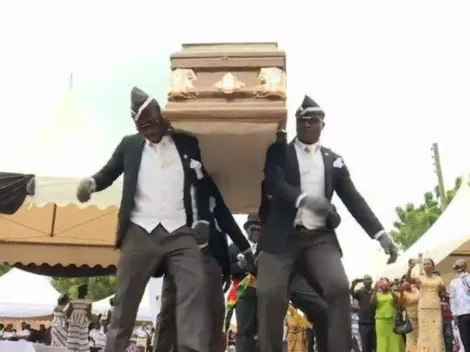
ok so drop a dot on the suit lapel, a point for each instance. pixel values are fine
(135, 157)
(328, 162)
(185, 160)
(293, 162)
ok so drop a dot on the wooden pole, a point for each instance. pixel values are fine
(438, 171)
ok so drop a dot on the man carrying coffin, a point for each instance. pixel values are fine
(163, 217)
(217, 269)
(299, 237)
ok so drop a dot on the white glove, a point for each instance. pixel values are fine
(242, 263)
(85, 188)
(389, 247)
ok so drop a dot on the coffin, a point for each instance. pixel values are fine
(233, 97)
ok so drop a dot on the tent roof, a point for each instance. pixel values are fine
(449, 234)
(26, 295)
(149, 305)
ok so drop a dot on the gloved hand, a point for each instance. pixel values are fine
(227, 282)
(334, 217)
(389, 247)
(319, 205)
(31, 187)
(201, 231)
(85, 188)
(241, 261)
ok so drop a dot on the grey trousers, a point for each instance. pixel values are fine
(141, 254)
(166, 331)
(305, 298)
(317, 257)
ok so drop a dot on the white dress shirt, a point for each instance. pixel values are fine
(312, 182)
(459, 294)
(159, 196)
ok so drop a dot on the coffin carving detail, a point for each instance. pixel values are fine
(182, 84)
(273, 83)
(229, 84)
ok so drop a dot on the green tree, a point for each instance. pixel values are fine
(98, 287)
(414, 220)
(4, 269)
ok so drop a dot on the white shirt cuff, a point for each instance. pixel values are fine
(378, 234)
(200, 222)
(93, 187)
(204, 245)
(299, 199)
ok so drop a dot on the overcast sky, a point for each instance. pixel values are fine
(392, 76)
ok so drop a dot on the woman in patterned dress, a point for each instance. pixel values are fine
(296, 331)
(431, 288)
(79, 316)
(409, 297)
(59, 329)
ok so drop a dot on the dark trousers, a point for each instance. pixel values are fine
(245, 312)
(463, 322)
(448, 335)
(141, 254)
(166, 332)
(368, 337)
(316, 256)
(304, 297)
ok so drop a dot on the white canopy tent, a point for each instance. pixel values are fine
(446, 240)
(26, 295)
(149, 306)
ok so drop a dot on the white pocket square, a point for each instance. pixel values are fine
(197, 166)
(338, 163)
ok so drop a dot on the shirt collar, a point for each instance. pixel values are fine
(165, 140)
(313, 147)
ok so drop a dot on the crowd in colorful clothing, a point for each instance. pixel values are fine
(414, 313)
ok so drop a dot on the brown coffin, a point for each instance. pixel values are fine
(233, 97)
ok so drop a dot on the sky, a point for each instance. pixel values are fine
(393, 77)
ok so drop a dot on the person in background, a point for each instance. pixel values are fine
(459, 294)
(24, 332)
(385, 302)
(366, 312)
(355, 332)
(79, 317)
(296, 334)
(59, 327)
(246, 306)
(92, 333)
(431, 288)
(9, 333)
(409, 298)
(217, 273)
(231, 338)
(447, 319)
(42, 334)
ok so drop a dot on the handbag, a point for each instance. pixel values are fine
(402, 324)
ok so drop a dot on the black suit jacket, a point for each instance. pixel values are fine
(282, 179)
(228, 226)
(126, 160)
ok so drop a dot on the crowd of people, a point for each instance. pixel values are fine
(414, 313)
(173, 223)
(26, 333)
